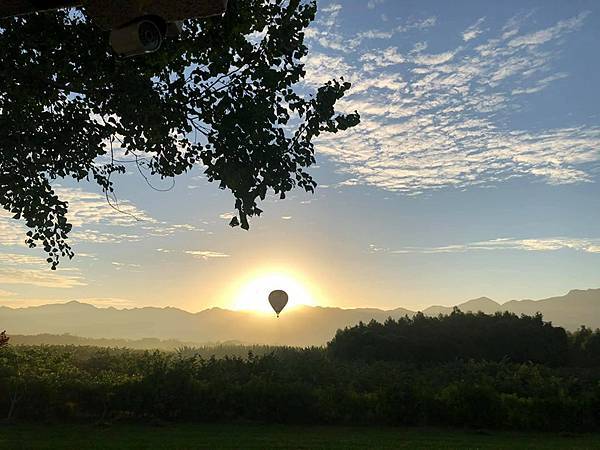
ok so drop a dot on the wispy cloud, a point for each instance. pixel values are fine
(432, 120)
(372, 4)
(126, 266)
(96, 221)
(327, 29)
(12, 232)
(32, 270)
(206, 254)
(542, 36)
(587, 245)
(473, 31)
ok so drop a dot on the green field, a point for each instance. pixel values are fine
(276, 437)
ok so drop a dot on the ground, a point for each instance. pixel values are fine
(191, 436)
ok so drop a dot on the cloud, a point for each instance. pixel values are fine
(333, 8)
(372, 4)
(95, 221)
(587, 245)
(434, 59)
(33, 270)
(541, 84)
(89, 208)
(92, 209)
(325, 31)
(12, 232)
(84, 209)
(4, 293)
(206, 254)
(473, 31)
(125, 266)
(382, 58)
(543, 36)
(286, 217)
(103, 237)
(438, 120)
(360, 37)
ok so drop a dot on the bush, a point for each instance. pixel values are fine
(292, 386)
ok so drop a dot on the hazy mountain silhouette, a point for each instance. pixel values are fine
(302, 326)
(483, 304)
(578, 307)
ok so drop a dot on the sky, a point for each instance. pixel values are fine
(474, 172)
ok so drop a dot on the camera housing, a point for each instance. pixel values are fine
(136, 27)
(140, 36)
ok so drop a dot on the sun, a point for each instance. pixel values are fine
(253, 293)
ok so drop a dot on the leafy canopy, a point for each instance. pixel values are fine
(227, 95)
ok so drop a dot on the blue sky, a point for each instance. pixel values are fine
(474, 172)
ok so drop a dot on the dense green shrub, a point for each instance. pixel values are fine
(292, 386)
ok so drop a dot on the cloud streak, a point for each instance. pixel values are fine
(95, 221)
(473, 31)
(586, 245)
(206, 254)
(32, 270)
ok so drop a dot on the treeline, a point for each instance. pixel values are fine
(218, 349)
(503, 336)
(314, 385)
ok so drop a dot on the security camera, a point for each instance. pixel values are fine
(136, 26)
(142, 35)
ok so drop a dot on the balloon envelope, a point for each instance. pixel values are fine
(278, 299)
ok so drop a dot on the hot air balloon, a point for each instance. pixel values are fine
(278, 299)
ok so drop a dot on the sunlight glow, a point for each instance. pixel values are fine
(254, 292)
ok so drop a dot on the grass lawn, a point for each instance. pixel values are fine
(81, 437)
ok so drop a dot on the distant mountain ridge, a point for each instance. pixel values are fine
(303, 326)
(578, 307)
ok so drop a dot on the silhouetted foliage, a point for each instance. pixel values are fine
(291, 386)
(585, 348)
(226, 95)
(463, 336)
(450, 372)
(499, 371)
(3, 339)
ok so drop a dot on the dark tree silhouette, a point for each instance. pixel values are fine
(458, 336)
(3, 339)
(225, 95)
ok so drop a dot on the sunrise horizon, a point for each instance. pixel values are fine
(262, 308)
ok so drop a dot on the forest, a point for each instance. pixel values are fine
(497, 371)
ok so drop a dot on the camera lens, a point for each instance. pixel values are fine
(150, 36)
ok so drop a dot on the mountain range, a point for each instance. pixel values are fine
(306, 325)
